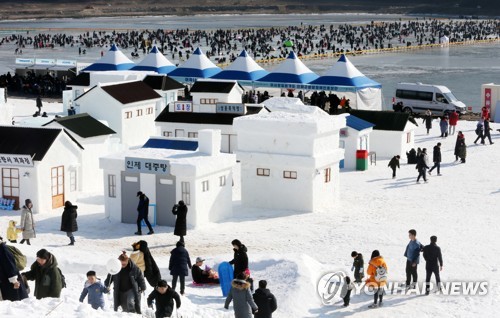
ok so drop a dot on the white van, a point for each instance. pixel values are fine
(418, 97)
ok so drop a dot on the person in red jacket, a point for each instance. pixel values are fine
(485, 112)
(453, 122)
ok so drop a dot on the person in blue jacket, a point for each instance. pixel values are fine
(95, 289)
(412, 254)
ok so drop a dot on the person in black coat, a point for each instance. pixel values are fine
(486, 133)
(128, 285)
(358, 266)
(433, 263)
(179, 264)
(163, 297)
(422, 165)
(240, 259)
(11, 283)
(151, 271)
(180, 210)
(265, 300)
(428, 120)
(142, 213)
(394, 163)
(68, 221)
(436, 158)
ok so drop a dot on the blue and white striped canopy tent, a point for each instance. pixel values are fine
(244, 69)
(156, 62)
(344, 78)
(197, 66)
(113, 60)
(291, 73)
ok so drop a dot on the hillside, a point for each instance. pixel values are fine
(79, 9)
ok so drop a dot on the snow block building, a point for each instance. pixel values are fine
(214, 105)
(32, 166)
(289, 158)
(169, 170)
(393, 133)
(95, 138)
(354, 137)
(128, 108)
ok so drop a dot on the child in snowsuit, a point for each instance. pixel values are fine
(345, 292)
(357, 266)
(12, 232)
(164, 297)
(95, 289)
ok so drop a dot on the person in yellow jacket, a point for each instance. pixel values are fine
(376, 278)
(12, 232)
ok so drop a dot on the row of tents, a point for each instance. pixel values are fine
(343, 76)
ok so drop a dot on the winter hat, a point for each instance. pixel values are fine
(375, 253)
(123, 256)
(181, 203)
(262, 284)
(27, 201)
(67, 204)
(90, 273)
(139, 193)
(199, 259)
(43, 254)
(162, 283)
(246, 272)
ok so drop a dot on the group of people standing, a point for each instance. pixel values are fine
(377, 269)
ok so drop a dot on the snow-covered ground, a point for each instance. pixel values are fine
(292, 252)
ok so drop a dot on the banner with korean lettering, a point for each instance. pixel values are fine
(186, 107)
(230, 108)
(16, 160)
(146, 165)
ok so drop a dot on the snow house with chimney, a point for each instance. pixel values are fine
(167, 171)
(290, 158)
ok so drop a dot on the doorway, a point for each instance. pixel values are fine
(57, 182)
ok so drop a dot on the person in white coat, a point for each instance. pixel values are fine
(27, 223)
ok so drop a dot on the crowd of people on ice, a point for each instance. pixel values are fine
(266, 43)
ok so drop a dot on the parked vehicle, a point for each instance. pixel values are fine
(418, 97)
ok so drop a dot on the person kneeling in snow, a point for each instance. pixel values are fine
(95, 289)
(200, 276)
(163, 297)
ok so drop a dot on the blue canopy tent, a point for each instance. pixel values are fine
(197, 66)
(244, 69)
(343, 77)
(113, 60)
(156, 62)
(291, 73)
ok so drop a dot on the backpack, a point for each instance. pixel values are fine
(479, 129)
(381, 274)
(19, 257)
(63, 279)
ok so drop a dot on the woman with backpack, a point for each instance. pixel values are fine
(11, 284)
(377, 277)
(47, 276)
